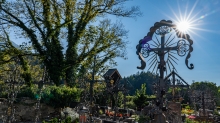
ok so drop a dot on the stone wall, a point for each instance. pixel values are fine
(25, 110)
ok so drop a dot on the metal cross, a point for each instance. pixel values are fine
(143, 49)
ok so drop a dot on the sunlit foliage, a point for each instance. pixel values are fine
(67, 34)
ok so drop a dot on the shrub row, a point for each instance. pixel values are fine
(56, 96)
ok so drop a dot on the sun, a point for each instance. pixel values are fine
(183, 26)
(187, 21)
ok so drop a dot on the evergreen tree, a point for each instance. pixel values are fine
(140, 78)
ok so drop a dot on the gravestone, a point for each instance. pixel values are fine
(174, 109)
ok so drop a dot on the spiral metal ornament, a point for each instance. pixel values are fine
(183, 47)
(145, 50)
(163, 30)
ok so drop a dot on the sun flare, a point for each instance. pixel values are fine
(183, 26)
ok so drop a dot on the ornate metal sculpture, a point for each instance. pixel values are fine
(156, 50)
(147, 45)
(161, 53)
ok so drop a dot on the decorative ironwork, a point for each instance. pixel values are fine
(163, 30)
(162, 56)
(183, 47)
(152, 48)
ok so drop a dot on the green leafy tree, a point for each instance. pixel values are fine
(207, 87)
(2, 1)
(130, 102)
(120, 99)
(11, 55)
(140, 99)
(141, 91)
(51, 25)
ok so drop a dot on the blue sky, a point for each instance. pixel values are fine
(205, 35)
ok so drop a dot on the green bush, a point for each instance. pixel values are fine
(23, 92)
(26, 91)
(54, 120)
(56, 96)
(187, 107)
(67, 120)
(101, 111)
(60, 96)
(131, 105)
(184, 105)
(193, 121)
(216, 112)
(143, 119)
(76, 120)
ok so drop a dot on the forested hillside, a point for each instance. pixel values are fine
(142, 77)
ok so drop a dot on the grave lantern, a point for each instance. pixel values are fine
(112, 77)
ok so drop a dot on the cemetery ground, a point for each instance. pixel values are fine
(67, 105)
